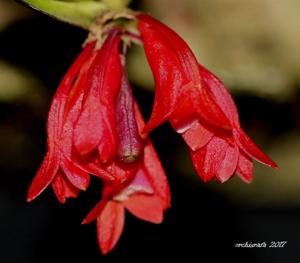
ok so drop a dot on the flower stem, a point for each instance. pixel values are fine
(81, 13)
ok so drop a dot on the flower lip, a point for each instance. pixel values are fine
(139, 185)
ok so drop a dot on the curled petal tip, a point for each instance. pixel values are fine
(110, 226)
(272, 164)
(247, 181)
(105, 250)
(221, 180)
(245, 168)
(206, 178)
(84, 222)
(62, 200)
(251, 149)
(29, 199)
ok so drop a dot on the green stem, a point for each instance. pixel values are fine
(81, 13)
(117, 4)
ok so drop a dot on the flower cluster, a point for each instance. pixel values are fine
(95, 128)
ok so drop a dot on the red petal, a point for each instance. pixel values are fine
(75, 95)
(221, 95)
(96, 124)
(139, 120)
(110, 226)
(175, 68)
(62, 188)
(73, 108)
(146, 207)
(245, 143)
(56, 112)
(76, 176)
(245, 168)
(139, 185)
(168, 81)
(209, 110)
(152, 166)
(89, 128)
(197, 102)
(44, 176)
(50, 164)
(172, 63)
(172, 42)
(58, 188)
(208, 160)
(185, 114)
(108, 144)
(197, 136)
(229, 164)
(94, 168)
(95, 212)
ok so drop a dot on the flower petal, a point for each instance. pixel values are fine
(229, 164)
(171, 41)
(220, 95)
(95, 168)
(173, 65)
(245, 168)
(76, 93)
(152, 167)
(95, 127)
(56, 112)
(208, 159)
(209, 110)
(75, 175)
(44, 176)
(62, 188)
(167, 74)
(139, 184)
(246, 144)
(110, 226)
(73, 108)
(197, 136)
(176, 73)
(185, 115)
(146, 207)
(95, 212)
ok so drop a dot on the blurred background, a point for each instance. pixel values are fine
(253, 46)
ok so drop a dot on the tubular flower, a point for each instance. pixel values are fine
(95, 127)
(57, 168)
(145, 192)
(198, 106)
(63, 167)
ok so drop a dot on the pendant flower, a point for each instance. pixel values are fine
(95, 127)
(198, 106)
(63, 167)
(57, 169)
(145, 193)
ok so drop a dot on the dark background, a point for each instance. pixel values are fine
(204, 222)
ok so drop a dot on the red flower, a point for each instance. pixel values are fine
(95, 127)
(63, 167)
(144, 192)
(198, 106)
